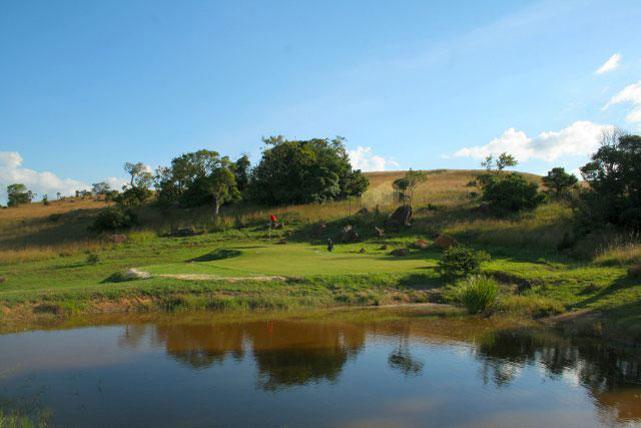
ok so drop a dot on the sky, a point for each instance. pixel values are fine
(86, 86)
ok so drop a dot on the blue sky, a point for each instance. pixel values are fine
(86, 86)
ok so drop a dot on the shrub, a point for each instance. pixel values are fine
(92, 258)
(113, 219)
(511, 193)
(478, 294)
(461, 262)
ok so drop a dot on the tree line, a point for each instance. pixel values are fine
(318, 170)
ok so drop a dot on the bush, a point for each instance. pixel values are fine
(478, 294)
(510, 193)
(92, 258)
(114, 218)
(461, 262)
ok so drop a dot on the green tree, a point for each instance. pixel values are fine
(304, 171)
(614, 177)
(241, 172)
(559, 182)
(138, 190)
(140, 176)
(505, 160)
(198, 178)
(101, 188)
(18, 194)
(406, 185)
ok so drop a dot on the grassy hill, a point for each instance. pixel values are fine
(53, 266)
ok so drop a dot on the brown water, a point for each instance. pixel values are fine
(275, 373)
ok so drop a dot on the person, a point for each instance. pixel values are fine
(330, 245)
(273, 221)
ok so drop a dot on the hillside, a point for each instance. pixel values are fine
(54, 267)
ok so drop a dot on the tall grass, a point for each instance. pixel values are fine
(478, 294)
(543, 228)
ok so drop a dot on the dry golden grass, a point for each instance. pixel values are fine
(37, 231)
(55, 225)
(620, 251)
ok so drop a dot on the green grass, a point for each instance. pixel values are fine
(51, 277)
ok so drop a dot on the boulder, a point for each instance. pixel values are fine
(444, 242)
(118, 238)
(282, 241)
(421, 244)
(400, 252)
(635, 271)
(402, 216)
(320, 229)
(349, 234)
(132, 274)
(362, 251)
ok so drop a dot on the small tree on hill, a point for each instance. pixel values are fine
(140, 181)
(505, 160)
(18, 194)
(406, 185)
(559, 182)
(101, 188)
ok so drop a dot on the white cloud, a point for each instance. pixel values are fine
(363, 158)
(630, 94)
(611, 64)
(579, 139)
(41, 182)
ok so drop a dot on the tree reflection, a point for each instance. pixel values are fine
(289, 354)
(286, 353)
(201, 346)
(611, 374)
(401, 357)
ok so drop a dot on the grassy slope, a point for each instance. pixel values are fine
(43, 259)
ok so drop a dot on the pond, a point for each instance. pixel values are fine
(201, 372)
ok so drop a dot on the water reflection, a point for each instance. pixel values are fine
(286, 353)
(279, 369)
(611, 374)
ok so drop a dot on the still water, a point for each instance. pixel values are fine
(303, 373)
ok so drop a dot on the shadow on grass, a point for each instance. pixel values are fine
(420, 281)
(620, 283)
(220, 254)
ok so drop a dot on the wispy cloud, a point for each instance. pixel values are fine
(630, 94)
(610, 64)
(363, 158)
(579, 139)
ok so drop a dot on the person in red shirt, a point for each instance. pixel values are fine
(273, 220)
